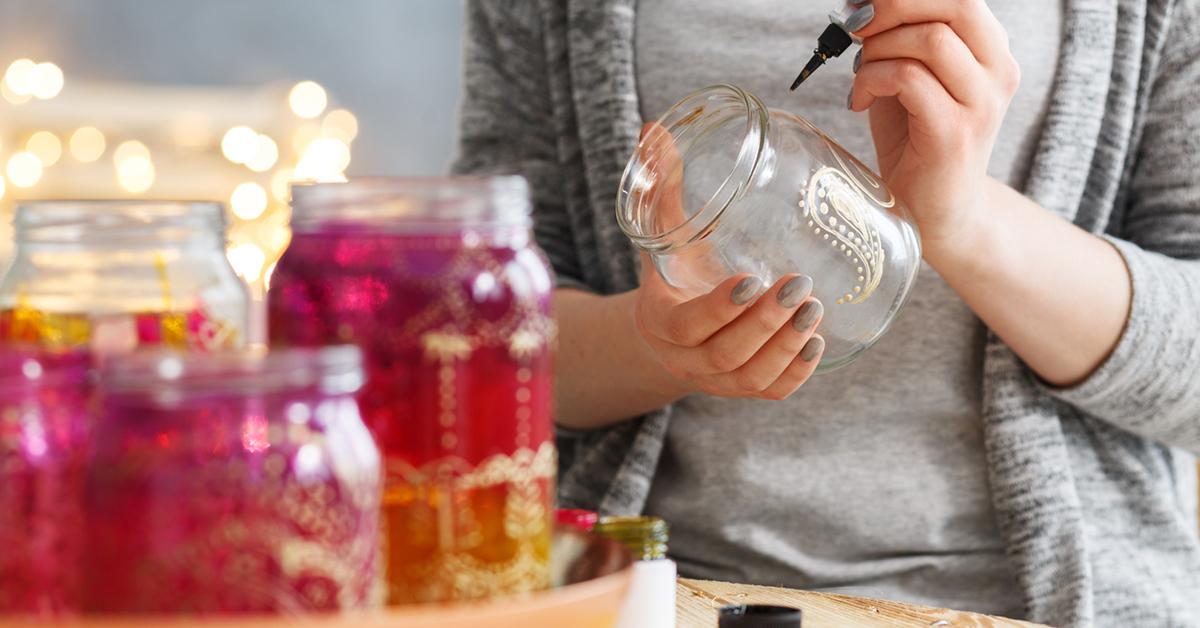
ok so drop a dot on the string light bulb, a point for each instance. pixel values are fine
(248, 201)
(239, 144)
(340, 124)
(308, 99)
(130, 149)
(24, 169)
(266, 154)
(46, 146)
(87, 144)
(136, 173)
(46, 81)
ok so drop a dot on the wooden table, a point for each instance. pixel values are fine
(698, 601)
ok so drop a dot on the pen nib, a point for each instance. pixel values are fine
(815, 62)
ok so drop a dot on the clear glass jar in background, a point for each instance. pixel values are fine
(441, 284)
(118, 275)
(45, 400)
(721, 185)
(232, 482)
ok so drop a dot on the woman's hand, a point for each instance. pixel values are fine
(728, 342)
(937, 77)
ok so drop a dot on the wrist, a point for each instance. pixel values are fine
(973, 245)
(653, 374)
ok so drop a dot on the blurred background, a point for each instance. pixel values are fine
(222, 99)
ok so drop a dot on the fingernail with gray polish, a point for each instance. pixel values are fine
(795, 291)
(812, 348)
(807, 315)
(857, 61)
(745, 290)
(860, 18)
(850, 99)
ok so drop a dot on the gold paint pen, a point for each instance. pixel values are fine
(836, 38)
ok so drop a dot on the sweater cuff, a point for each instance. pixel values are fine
(1120, 376)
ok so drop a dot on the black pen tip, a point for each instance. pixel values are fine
(800, 79)
(812, 65)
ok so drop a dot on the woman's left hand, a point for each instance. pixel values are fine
(937, 77)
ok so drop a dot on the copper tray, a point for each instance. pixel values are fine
(591, 575)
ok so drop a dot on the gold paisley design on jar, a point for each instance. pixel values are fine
(837, 211)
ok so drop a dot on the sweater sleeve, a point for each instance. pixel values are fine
(1150, 384)
(506, 119)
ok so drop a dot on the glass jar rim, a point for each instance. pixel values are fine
(413, 203)
(632, 215)
(24, 368)
(117, 221)
(164, 374)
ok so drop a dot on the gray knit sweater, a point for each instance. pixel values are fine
(1091, 485)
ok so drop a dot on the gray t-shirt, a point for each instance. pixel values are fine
(870, 480)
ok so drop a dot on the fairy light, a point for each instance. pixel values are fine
(45, 81)
(247, 260)
(308, 99)
(248, 201)
(130, 149)
(24, 169)
(87, 144)
(266, 154)
(304, 135)
(17, 77)
(239, 144)
(340, 124)
(46, 146)
(136, 173)
(325, 159)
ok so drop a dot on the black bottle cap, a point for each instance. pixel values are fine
(759, 616)
(832, 43)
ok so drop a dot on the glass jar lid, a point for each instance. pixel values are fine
(119, 223)
(169, 376)
(413, 203)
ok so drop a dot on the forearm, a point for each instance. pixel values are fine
(1057, 295)
(605, 371)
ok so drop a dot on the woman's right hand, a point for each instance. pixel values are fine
(735, 341)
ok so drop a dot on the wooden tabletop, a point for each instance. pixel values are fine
(698, 601)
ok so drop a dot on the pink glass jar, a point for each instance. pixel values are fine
(441, 284)
(232, 483)
(44, 401)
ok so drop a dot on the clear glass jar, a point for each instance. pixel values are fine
(44, 422)
(232, 482)
(441, 284)
(721, 185)
(118, 275)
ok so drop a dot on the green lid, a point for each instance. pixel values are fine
(646, 537)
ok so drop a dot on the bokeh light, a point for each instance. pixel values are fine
(248, 201)
(24, 169)
(136, 173)
(87, 144)
(18, 77)
(247, 260)
(325, 160)
(266, 154)
(130, 149)
(340, 124)
(239, 143)
(46, 81)
(46, 146)
(308, 99)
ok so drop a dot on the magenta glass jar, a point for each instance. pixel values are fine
(441, 284)
(232, 483)
(44, 403)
